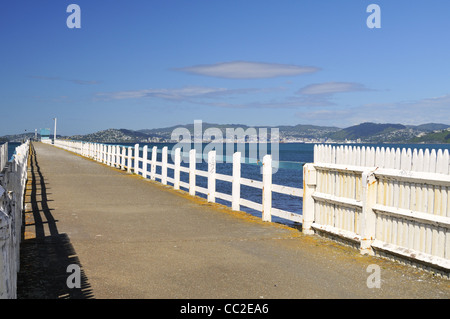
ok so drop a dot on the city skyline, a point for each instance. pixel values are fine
(150, 64)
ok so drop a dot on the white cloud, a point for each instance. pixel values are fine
(248, 70)
(76, 81)
(184, 93)
(434, 109)
(172, 94)
(220, 97)
(293, 102)
(427, 110)
(331, 88)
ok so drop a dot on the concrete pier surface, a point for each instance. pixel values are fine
(133, 238)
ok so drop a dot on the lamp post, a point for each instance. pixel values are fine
(54, 132)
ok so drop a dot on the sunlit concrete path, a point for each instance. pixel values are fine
(134, 238)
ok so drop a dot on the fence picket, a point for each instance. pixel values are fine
(136, 158)
(212, 176)
(176, 174)
(144, 161)
(164, 166)
(267, 189)
(236, 183)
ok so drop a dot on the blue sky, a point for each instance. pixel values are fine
(147, 64)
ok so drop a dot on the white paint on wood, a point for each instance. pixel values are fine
(212, 176)
(267, 189)
(236, 181)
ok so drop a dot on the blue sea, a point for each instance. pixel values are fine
(291, 157)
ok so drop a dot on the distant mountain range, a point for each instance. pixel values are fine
(361, 133)
(393, 133)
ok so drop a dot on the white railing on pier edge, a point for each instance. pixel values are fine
(127, 158)
(13, 179)
(392, 202)
(3, 155)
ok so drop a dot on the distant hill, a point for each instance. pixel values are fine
(164, 134)
(308, 131)
(431, 127)
(364, 133)
(433, 137)
(17, 137)
(388, 133)
(113, 136)
(297, 131)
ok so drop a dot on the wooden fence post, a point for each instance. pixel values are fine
(212, 176)
(176, 172)
(164, 166)
(113, 156)
(119, 156)
(236, 184)
(309, 186)
(368, 216)
(122, 160)
(108, 154)
(136, 158)
(153, 165)
(144, 161)
(129, 160)
(192, 167)
(267, 189)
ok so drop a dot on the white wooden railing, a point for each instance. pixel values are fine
(393, 202)
(3, 155)
(13, 179)
(128, 158)
(389, 202)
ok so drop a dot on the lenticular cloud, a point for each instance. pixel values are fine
(331, 88)
(248, 70)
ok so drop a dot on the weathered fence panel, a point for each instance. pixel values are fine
(3, 155)
(387, 201)
(13, 179)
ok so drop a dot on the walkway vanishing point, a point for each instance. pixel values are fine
(134, 238)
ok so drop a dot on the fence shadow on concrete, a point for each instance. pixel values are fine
(45, 254)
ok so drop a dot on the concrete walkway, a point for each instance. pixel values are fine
(134, 238)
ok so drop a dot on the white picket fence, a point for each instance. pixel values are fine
(128, 158)
(13, 179)
(389, 202)
(3, 155)
(394, 202)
